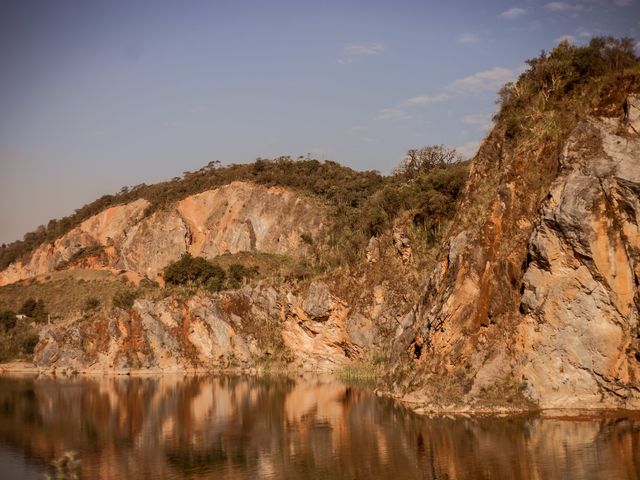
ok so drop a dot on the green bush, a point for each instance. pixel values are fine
(21, 340)
(190, 270)
(27, 342)
(91, 303)
(34, 309)
(215, 283)
(237, 273)
(558, 77)
(7, 320)
(124, 299)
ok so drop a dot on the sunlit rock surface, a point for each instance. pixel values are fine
(238, 217)
(540, 299)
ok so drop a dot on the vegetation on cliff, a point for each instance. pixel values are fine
(491, 217)
(472, 302)
(17, 336)
(364, 203)
(198, 271)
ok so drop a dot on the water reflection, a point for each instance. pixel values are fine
(236, 428)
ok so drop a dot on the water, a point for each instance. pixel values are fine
(248, 428)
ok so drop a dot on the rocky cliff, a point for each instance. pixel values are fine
(308, 328)
(237, 217)
(539, 299)
(531, 297)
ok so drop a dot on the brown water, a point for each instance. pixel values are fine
(248, 428)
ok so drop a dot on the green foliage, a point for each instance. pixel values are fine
(354, 198)
(124, 299)
(7, 319)
(328, 180)
(422, 160)
(92, 303)
(215, 283)
(376, 219)
(19, 341)
(366, 372)
(27, 341)
(34, 309)
(237, 273)
(189, 270)
(200, 272)
(563, 81)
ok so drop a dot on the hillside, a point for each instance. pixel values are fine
(234, 218)
(512, 282)
(230, 247)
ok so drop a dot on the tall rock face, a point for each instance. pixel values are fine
(578, 342)
(237, 217)
(539, 295)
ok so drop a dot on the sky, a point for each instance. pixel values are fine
(97, 95)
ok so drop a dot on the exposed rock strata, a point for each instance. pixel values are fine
(579, 336)
(542, 297)
(234, 218)
(312, 329)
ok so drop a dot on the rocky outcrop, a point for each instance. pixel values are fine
(105, 229)
(234, 218)
(579, 338)
(312, 330)
(540, 294)
(401, 240)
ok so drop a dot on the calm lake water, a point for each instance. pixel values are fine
(247, 428)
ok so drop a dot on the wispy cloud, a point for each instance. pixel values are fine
(354, 50)
(420, 100)
(563, 7)
(467, 38)
(482, 121)
(584, 33)
(393, 114)
(480, 82)
(512, 13)
(485, 81)
(623, 3)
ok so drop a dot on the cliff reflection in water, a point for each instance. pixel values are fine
(233, 428)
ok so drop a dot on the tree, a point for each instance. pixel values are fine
(124, 299)
(193, 270)
(34, 309)
(425, 159)
(7, 319)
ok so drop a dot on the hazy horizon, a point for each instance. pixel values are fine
(100, 95)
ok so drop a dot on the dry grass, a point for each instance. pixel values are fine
(64, 293)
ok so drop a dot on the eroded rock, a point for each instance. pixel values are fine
(234, 218)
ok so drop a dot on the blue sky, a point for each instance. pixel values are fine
(98, 95)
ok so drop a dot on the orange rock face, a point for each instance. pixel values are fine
(541, 291)
(234, 218)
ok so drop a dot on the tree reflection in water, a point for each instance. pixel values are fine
(272, 427)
